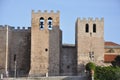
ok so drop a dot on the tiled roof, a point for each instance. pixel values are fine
(111, 44)
(109, 57)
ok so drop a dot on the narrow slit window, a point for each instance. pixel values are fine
(50, 23)
(14, 57)
(41, 23)
(94, 28)
(87, 28)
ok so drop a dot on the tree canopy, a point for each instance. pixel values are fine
(116, 62)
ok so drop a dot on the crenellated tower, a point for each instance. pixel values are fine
(45, 43)
(89, 41)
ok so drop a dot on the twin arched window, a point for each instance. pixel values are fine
(87, 28)
(49, 21)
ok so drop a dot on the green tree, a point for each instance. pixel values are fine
(116, 62)
(90, 66)
(107, 73)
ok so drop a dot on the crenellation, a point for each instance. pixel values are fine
(11, 28)
(102, 19)
(45, 11)
(29, 28)
(23, 28)
(39, 11)
(96, 19)
(51, 11)
(6, 25)
(1, 26)
(33, 11)
(58, 11)
(84, 19)
(90, 19)
(18, 28)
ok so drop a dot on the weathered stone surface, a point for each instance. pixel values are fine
(45, 44)
(90, 41)
(40, 52)
(52, 78)
(2, 49)
(68, 60)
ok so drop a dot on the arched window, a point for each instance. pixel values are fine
(50, 23)
(41, 23)
(94, 28)
(87, 28)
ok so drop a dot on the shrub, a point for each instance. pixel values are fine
(107, 73)
(90, 66)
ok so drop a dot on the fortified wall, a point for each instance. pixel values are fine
(68, 59)
(38, 51)
(15, 45)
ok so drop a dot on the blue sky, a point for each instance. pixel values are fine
(18, 13)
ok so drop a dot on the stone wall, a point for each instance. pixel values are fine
(54, 51)
(18, 43)
(19, 47)
(68, 60)
(2, 48)
(45, 44)
(90, 44)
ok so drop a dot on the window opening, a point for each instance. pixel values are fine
(50, 23)
(14, 57)
(87, 28)
(94, 28)
(41, 23)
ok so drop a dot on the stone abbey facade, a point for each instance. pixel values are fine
(38, 50)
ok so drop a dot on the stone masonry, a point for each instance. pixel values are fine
(89, 41)
(38, 50)
(45, 44)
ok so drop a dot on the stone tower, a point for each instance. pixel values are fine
(45, 43)
(89, 41)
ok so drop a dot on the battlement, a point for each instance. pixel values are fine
(45, 12)
(92, 19)
(4, 27)
(20, 28)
